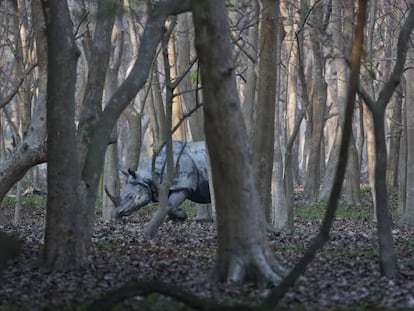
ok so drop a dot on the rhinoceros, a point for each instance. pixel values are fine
(190, 181)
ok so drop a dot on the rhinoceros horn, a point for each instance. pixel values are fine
(114, 199)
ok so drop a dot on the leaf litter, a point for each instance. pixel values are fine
(344, 275)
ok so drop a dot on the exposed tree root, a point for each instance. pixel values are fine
(136, 288)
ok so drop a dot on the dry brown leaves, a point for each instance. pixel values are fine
(345, 275)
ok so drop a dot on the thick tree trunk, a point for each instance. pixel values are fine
(242, 251)
(74, 187)
(65, 244)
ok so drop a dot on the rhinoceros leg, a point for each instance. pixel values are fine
(175, 200)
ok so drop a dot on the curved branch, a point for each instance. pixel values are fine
(137, 288)
(4, 101)
(134, 82)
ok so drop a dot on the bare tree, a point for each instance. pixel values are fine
(264, 129)
(319, 96)
(377, 108)
(73, 184)
(407, 212)
(242, 250)
(32, 148)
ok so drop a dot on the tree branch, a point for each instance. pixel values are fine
(4, 101)
(132, 84)
(402, 47)
(138, 288)
(323, 235)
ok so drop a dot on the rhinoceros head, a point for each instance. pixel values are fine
(137, 193)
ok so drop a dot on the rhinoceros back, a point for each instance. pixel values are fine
(192, 173)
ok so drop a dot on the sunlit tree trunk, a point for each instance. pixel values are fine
(368, 120)
(395, 106)
(111, 166)
(312, 175)
(292, 101)
(188, 92)
(133, 112)
(250, 92)
(281, 216)
(156, 111)
(177, 108)
(264, 129)
(32, 149)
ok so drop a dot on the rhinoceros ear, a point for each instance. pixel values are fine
(132, 173)
(124, 171)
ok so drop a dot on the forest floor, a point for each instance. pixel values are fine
(344, 276)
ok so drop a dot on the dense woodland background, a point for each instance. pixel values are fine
(87, 86)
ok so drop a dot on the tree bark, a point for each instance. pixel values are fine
(242, 250)
(249, 102)
(264, 129)
(312, 176)
(65, 243)
(324, 232)
(32, 149)
(407, 216)
(384, 226)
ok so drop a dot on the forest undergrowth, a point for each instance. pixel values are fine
(344, 276)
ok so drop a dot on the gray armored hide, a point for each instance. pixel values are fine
(190, 181)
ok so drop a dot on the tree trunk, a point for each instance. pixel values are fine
(111, 166)
(264, 129)
(65, 243)
(385, 240)
(395, 139)
(72, 196)
(313, 177)
(342, 28)
(177, 108)
(32, 149)
(395, 106)
(189, 96)
(386, 244)
(368, 118)
(248, 105)
(407, 216)
(242, 250)
(292, 100)
(281, 216)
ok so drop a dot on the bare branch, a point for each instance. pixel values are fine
(6, 100)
